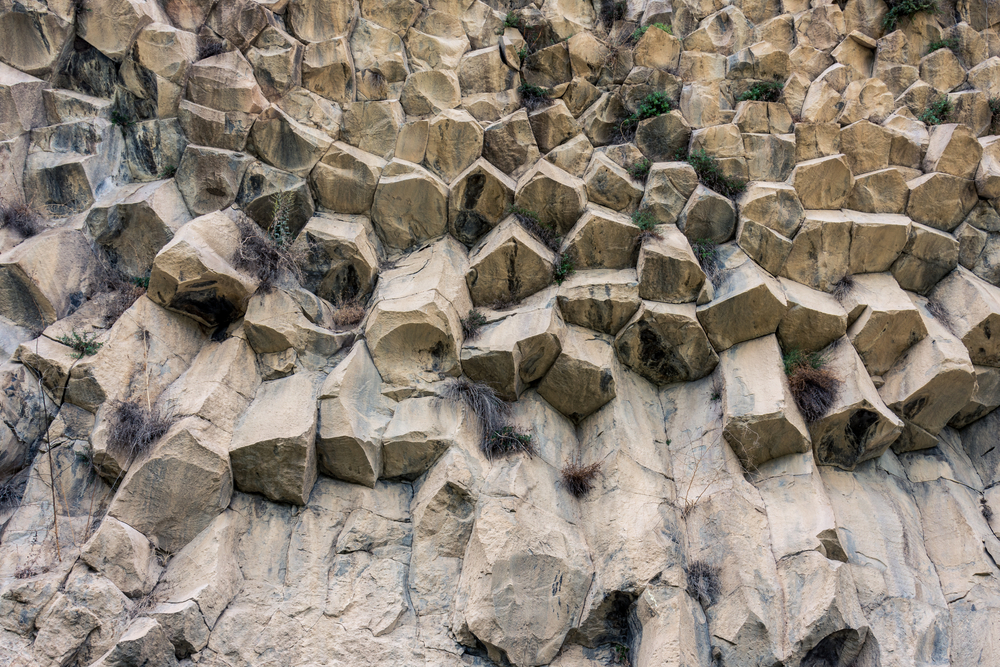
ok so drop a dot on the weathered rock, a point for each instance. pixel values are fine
(668, 187)
(823, 183)
(143, 643)
(328, 70)
(112, 26)
(210, 178)
(193, 274)
(662, 137)
(813, 320)
(265, 186)
(857, 426)
(273, 449)
(819, 255)
(928, 256)
(748, 302)
(610, 185)
(557, 198)
(184, 626)
(664, 343)
(668, 269)
(882, 191)
(988, 172)
(601, 239)
(286, 144)
(876, 241)
(276, 58)
(582, 378)
(341, 163)
(985, 399)
(352, 417)
(972, 309)
(225, 83)
(410, 206)
(508, 265)
(218, 129)
(883, 321)
(940, 200)
(180, 488)
(480, 197)
(509, 144)
(454, 142)
(600, 300)
(123, 555)
(954, 150)
(707, 215)
(338, 257)
(761, 421)
(430, 92)
(373, 126)
(421, 431)
(769, 157)
(280, 320)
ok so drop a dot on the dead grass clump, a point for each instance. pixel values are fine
(707, 252)
(260, 256)
(544, 233)
(11, 492)
(498, 437)
(348, 314)
(985, 509)
(134, 430)
(843, 287)
(703, 582)
(123, 296)
(813, 386)
(579, 479)
(18, 217)
(209, 49)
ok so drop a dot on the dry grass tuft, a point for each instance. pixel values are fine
(11, 492)
(498, 437)
(19, 217)
(843, 287)
(508, 440)
(579, 479)
(134, 430)
(813, 386)
(703, 582)
(348, 314)
(259, 256)
(472, 323)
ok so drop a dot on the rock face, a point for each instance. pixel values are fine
(464, 333)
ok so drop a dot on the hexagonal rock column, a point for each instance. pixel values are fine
(421, 430)
(876, 241)
(210, 178)
(972, 308)
(410, 205)
(286, 144)
(858, 426)
(820, 250)
(983, 401)
(479, 199)
(353, 413)
(174, 493)
(664, 343)
(123, 555)
(748, 302)
(144, 642)
(928, 256)
(940, 200)
(707, 215)
(345, 178)
(519, 349)
(414, 330)
(556, 197)
(508, 265)
(953, 149)
(338, 256)
(608, 184)
(884, 322)
(281, 319)
(192, 274)
(582, 379)
(668, 270)
(601, 300)
(602, 239)
(823, 183)
(929, 383)
(454, 142)
(813, 320)
(668, 187)
(760, 419)
(770, 215)
(274, 446)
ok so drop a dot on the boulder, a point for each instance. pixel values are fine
(225, 83)
(123, 555)
(876, 241)
(668, 188)
(601, 239)
(345, 163)
(761, 421)
(601, 300)
(353, 414)
(508, 265)
(22, 101)
(953, 149)
(274, 445)
(287, 144)
(665, 344)
(517, 349)
(857, 426)
(940, 200)
(373, 126)
(883, 320)
(928, 256)
(317, 22)
(707, 215)
(552, 125)
(111, 26)
(184, 626)
(882, 191)
(454, 142)
(143, 643)
(37, 38)
(296, 320)
(509, 144)
(180, 488)
(929, 383)
(573, 156)
(430, 92)
(813, 320)
(338, 256)
(820, 251)
(421, 431)
(410, 206)
(276, 58)
(582, 378)
(823, 183)
(673, 628)
(483, 71)
(210, 178)
(193, 274)
(216, 129)
(328, 70)
(748, 302)
(971, 307)
(479, 199)
(556, 197)
(865, 146)
(816, 140)
(769, 157)
(608, 184)
(661, 138)
(985, 399)
(668, 269)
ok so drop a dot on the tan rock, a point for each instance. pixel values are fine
(582, 378)
(509, 264)
(601, 239)
(344, 163)
(773, 205)
(328, 70)
(608, 184)
(23, 102)
(665, 344)
(866, 146)
(602, 300)
(276, 58)
(483, 71)
(868, 99)
(769, 157)
(143, 641)
(479, 199)
(668, 269)
(707, 215)
(225, 83)
(353, 414)
(813, 320)
(601, 121)
(295, 319)
(454, 142)
(876, 241)
(509, 144)
(883, 321)
(338, 257)
(927, 257)
(988, 172)
(954, 150)
(748, 302)
(318, 22)
(191, 462)
(286, 144)
(882, 191)
(816, 140)
(421, 431)
(942, 70)
(273, 450)
(972, 309)
(310, 109)
(210, 178)
(111, 27)
(668, 188)
(763, 245)
(820, 250)
(940, 200)
(663, 137)
(37, 37)
(759, 415)
(123, 555)
(984, 400)
(556, 197)
(823, 183)
(822, 103)
(430, 92)
(410, 207)
(219, 129)
(373, 126)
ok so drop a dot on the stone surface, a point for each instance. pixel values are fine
(664, 343)
(585, 363)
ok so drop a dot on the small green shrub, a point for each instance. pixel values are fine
(564, 268)
(639, 170)
(763, 91)
(707, 168)
(995, 109)
(508, 440)
(522, 53)
(472, 323)
(795, 358)
(900, 9)
(533, 97)
(706, 252)
(281, 210)
(121, 119)
(620, 655)
(654, 104)
(168, 172)
(83, 345)
(142, 281)
(937, 112)
(512, 20)
(950, 43)
(644, 220)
